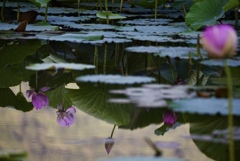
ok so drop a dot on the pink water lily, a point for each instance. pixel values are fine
(169, 117)
(39, 99)
(220, 41)
(65, 118)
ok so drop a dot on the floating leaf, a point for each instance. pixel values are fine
(205, 12)
(211, 106)
(66, 66)
(115, 79)
(146, 22)
(40, 3)
(173, 52)
(111, 16)
(221, 62)
(155, 95)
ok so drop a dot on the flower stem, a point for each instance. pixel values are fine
(113, 130)
(156, 4)
(230, 116)
(36, 80)
(46, 12)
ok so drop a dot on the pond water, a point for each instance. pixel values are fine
(126, 84)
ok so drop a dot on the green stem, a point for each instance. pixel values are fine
(198, 47)
(106, 8)
(113, 131)
(105, 59)
(78, 8)
(36, 80)
(96, 59)
(18, 13)
(46, 12)
(230, 115)
(236, 17)
(156, 4)
(126, 66)
(121, 3)
(159, 69)
(2, 10)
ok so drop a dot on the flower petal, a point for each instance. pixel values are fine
(61, 121)
(71, 110)
(29, 93)
(39, 100)
(44, 89)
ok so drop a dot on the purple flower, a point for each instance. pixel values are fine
(65, 118)
(109, 142)
(169, 117)
(39, 99)
(220, 41)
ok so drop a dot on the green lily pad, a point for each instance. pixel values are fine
(40, 3)
(67, 66)
(19, 102)
(205, 12)
(230, 4)
(111, 16)
(9, 77)
(16, 53)
(115, 79)
(211, 106)
(92, 100)
(221, 62)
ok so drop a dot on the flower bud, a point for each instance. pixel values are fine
(169, 117)
(109, 142)
(220, 41)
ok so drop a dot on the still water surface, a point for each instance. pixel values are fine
(40, 135)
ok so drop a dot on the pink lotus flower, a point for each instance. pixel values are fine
(169, 117)
(65, 118)
(109, 142)
(39, 99)
(220, 41)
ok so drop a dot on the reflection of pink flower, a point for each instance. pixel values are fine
(169, 117)
(220, 41)
(109, 142)
(65, 118)
(39, 99)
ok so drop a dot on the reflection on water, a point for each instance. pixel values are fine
(39, 134)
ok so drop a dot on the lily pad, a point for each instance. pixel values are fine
(155, 95)
(115, 79)
(221, 62)
(67, 66)
(205, 12)
(146, 22)
(92, 100)
(173, 52)
(211, 106)
(111, 16)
